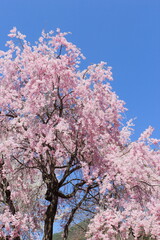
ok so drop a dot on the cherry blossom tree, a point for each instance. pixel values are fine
(130, 205)
(55, 122)
(63, 144)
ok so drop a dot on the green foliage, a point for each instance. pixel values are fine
(77, 232)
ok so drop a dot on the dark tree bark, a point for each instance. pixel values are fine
(6, 193)
(50, 217)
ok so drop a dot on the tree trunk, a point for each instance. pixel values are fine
(49, 219)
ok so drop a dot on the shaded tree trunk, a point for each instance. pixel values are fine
(49, 218)
(6, 193)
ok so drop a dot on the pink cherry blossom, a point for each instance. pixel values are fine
(59, 123)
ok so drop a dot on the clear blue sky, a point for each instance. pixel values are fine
(124, 33)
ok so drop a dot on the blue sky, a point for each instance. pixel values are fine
(124, 33)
